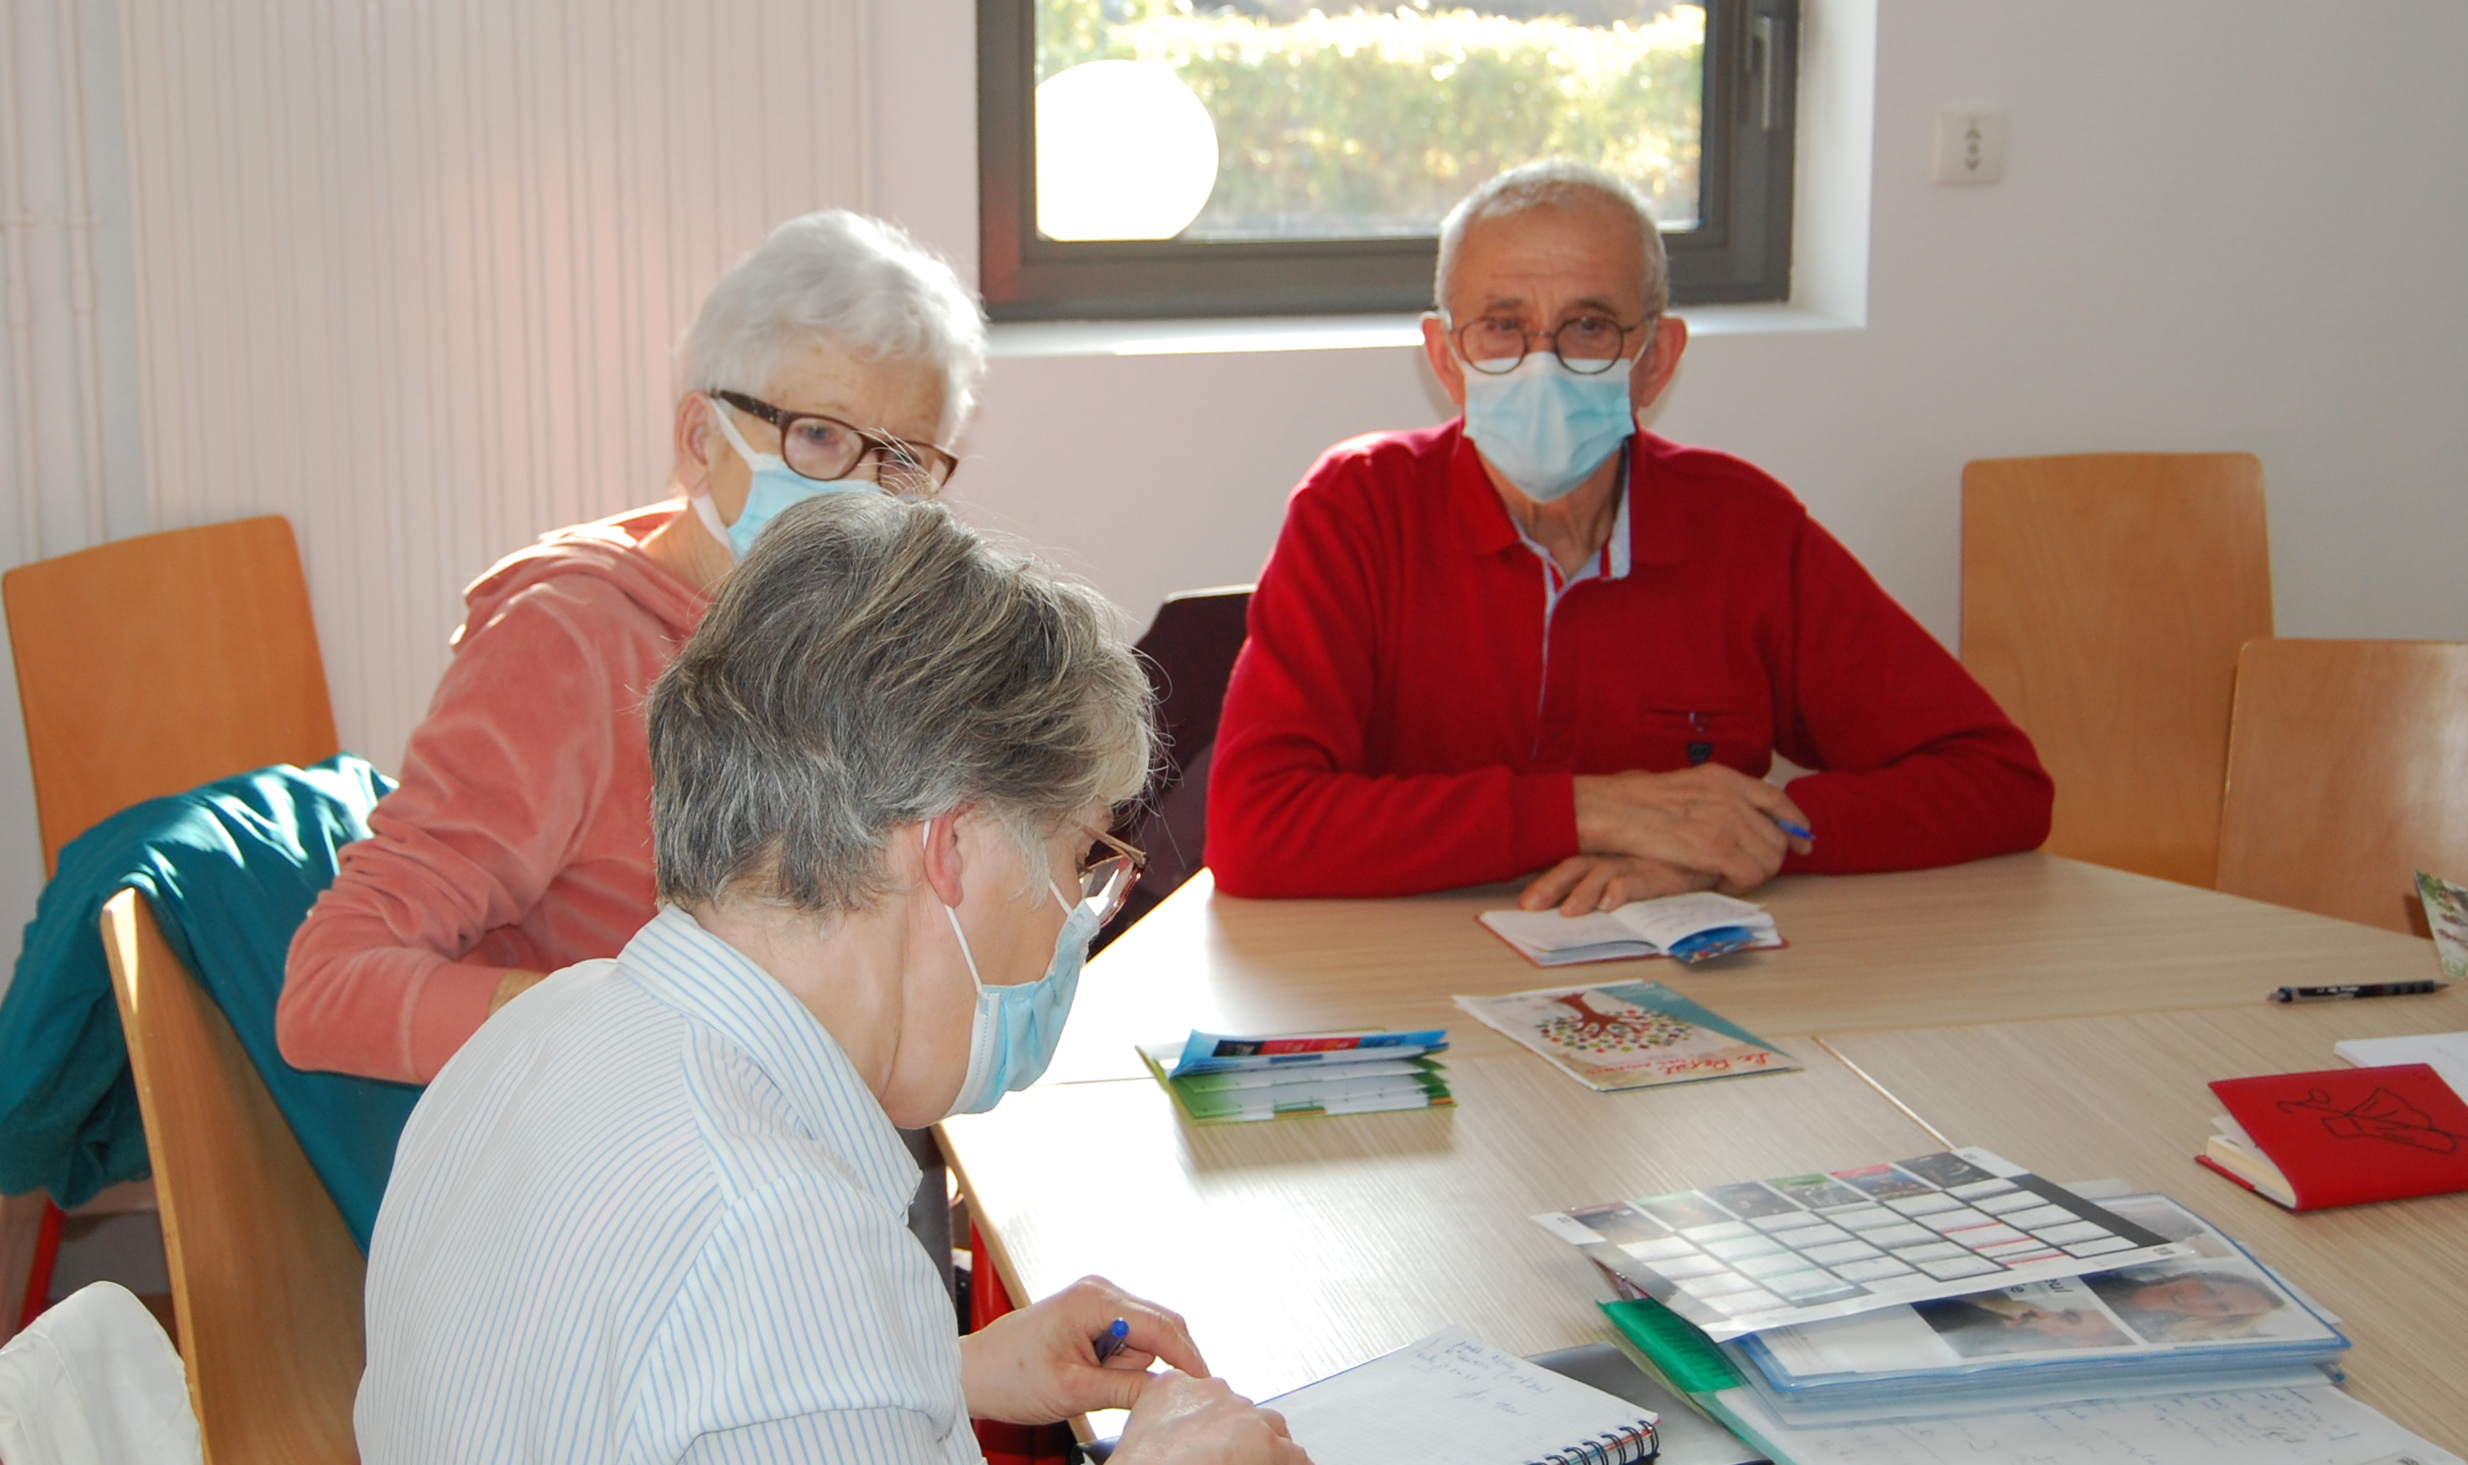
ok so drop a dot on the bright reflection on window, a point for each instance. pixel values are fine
(1343, 119)
(1124, 151)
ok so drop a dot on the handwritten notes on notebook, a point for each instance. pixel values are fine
(1451, 1400)
(2305, 1426)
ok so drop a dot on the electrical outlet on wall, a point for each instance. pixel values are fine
(1970, 147)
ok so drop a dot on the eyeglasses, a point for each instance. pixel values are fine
(827, 450)
(1108, 880)
(1587, 343)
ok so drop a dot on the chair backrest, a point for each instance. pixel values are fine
(151, 665)
(264, 1276)
(2104, 597)
(1189, 652)
(2347, 772)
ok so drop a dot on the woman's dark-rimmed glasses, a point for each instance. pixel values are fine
(827, 450)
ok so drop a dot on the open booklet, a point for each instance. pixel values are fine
(1694, 927)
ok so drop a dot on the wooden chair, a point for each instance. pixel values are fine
(2104, 597)
(151, 665)
(2347, 772)
(145, 667)
(264, 1274)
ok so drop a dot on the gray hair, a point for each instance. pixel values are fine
(1557, 183)
(857, 282)
(871, 664)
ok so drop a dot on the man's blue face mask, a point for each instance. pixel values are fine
(1545, 427)
(773, 487)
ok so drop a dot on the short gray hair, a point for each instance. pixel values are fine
(857, 282)
(871, 664)
(1550, 183)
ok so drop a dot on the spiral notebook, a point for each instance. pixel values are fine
(1452, 1400)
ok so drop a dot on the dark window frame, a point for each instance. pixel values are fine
(1740, 250)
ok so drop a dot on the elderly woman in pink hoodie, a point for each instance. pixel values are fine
(834, 357)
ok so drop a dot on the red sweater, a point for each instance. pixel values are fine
(521, 834)
(1396, 722)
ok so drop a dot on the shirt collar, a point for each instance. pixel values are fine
(1648, 530)
(711, 982)
(1609, 563)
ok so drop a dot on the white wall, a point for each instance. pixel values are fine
(2225, 224)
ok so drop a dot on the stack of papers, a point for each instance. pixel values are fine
(2161, 1340)
(1791, 1249)
(1218, 1078)
(1692, 928)
(2212, 1318)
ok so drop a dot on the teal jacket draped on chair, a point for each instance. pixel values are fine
(230, 868)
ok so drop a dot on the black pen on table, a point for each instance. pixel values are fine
(2356, 989)
(1111, 1341)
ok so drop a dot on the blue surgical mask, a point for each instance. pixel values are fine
(774, 487)
(1546, 427)
(1013, 1035)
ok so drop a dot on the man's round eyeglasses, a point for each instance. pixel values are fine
(827, 450)
(1587, 343)
(1109, 880)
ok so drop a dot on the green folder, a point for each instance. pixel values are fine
(1673, 1344)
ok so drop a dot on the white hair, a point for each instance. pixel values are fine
(859, 283)
(1556, 183)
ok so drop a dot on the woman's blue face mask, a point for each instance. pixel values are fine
(1015, 1029)
(774, 487)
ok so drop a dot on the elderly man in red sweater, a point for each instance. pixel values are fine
(1535, 638)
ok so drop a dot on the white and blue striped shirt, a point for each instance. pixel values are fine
(650, 1213)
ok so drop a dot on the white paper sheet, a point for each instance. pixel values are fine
(2447, 1052)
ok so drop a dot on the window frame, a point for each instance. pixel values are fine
(1740, 251)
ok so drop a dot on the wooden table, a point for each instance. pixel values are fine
(2025, 936)
(2125, 1097)
(1303, 1246)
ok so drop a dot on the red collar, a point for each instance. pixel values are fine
(1657, 531)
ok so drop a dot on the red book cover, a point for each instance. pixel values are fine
(2346, 1136)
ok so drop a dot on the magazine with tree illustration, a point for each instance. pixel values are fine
(1627, 1035)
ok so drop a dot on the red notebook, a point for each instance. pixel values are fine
(2343, 1136)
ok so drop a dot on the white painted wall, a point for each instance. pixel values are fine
(2225, 224)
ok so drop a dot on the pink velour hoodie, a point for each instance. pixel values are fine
(521, 833)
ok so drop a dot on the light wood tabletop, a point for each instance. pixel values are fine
(2062, 1014)
(2024, 936)
(1304, 1246)
(2125, 1096)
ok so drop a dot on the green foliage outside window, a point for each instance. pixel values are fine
(1372, 122)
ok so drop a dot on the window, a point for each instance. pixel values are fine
(1257, 157)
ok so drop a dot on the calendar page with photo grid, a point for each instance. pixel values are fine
(1736, 1259)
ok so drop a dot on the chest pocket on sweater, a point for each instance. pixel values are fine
(1661, 739)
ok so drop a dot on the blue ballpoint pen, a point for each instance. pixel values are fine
(1792, 829)
(1110, 1342)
